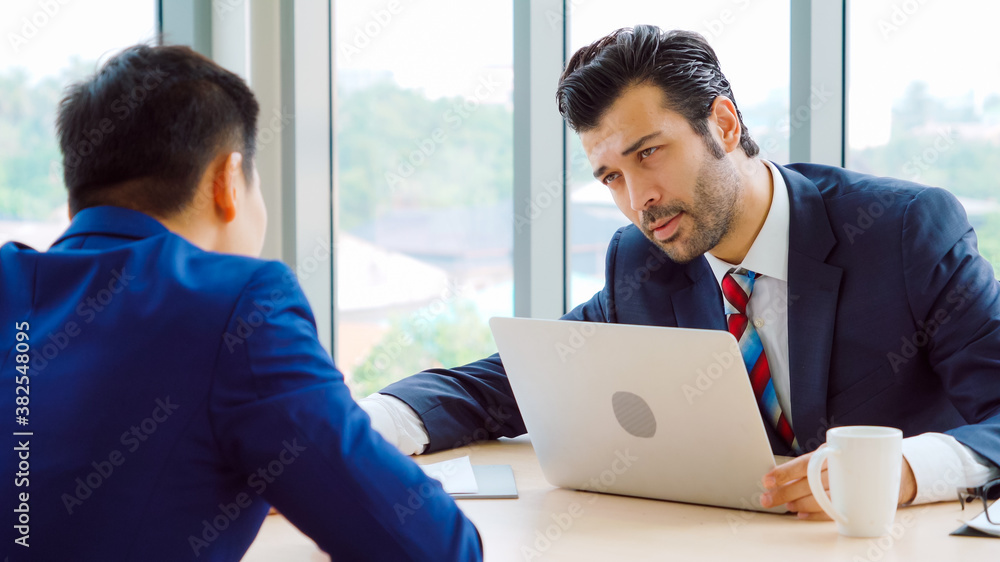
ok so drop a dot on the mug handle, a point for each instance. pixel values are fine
(814, 474)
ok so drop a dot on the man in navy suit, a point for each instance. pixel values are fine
(167, 386)
(860, 300)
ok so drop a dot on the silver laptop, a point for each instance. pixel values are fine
(664, 413)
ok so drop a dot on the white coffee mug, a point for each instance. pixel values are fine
(865, 468)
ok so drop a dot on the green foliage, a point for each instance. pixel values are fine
(428, 338)
(940, 159)
(31, 185)
(396, 148)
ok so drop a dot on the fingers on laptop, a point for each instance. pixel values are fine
(796, 494)
(787, 472)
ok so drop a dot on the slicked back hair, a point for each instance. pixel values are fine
(681, 63)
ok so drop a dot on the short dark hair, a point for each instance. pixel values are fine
(141, 131)
(681, 63)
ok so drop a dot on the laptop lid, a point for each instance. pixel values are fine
(665, 413)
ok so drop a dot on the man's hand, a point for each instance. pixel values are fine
(787, 484)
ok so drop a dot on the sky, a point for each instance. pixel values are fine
(440, 47)
(91, 29)
(949, 45)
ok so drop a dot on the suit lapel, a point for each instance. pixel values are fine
(699, 305)
(813, 291)
(813, 288)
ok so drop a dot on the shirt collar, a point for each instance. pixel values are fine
(118, 222)
(768, 254)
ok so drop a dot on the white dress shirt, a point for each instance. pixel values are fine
(397, 422)
(940, 464)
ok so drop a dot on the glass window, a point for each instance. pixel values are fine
(49, 45)
(423, 128)
(752, 42)
(924, 101)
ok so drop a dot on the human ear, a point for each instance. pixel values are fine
(726, 121)
(226, 184)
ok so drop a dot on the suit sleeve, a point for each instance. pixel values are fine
(474, 402)
(283, 416)
(955, 297)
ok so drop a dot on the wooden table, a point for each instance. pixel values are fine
(548, 523)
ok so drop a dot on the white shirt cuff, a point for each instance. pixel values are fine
(941, 466)
(397, 422)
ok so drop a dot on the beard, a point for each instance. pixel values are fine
(718, 199)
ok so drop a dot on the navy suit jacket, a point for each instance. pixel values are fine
(173, 395)
(893, 319)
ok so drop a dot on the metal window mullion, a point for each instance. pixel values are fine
(307, 164)
(817, 100)
(187, 22)
(539, 157)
